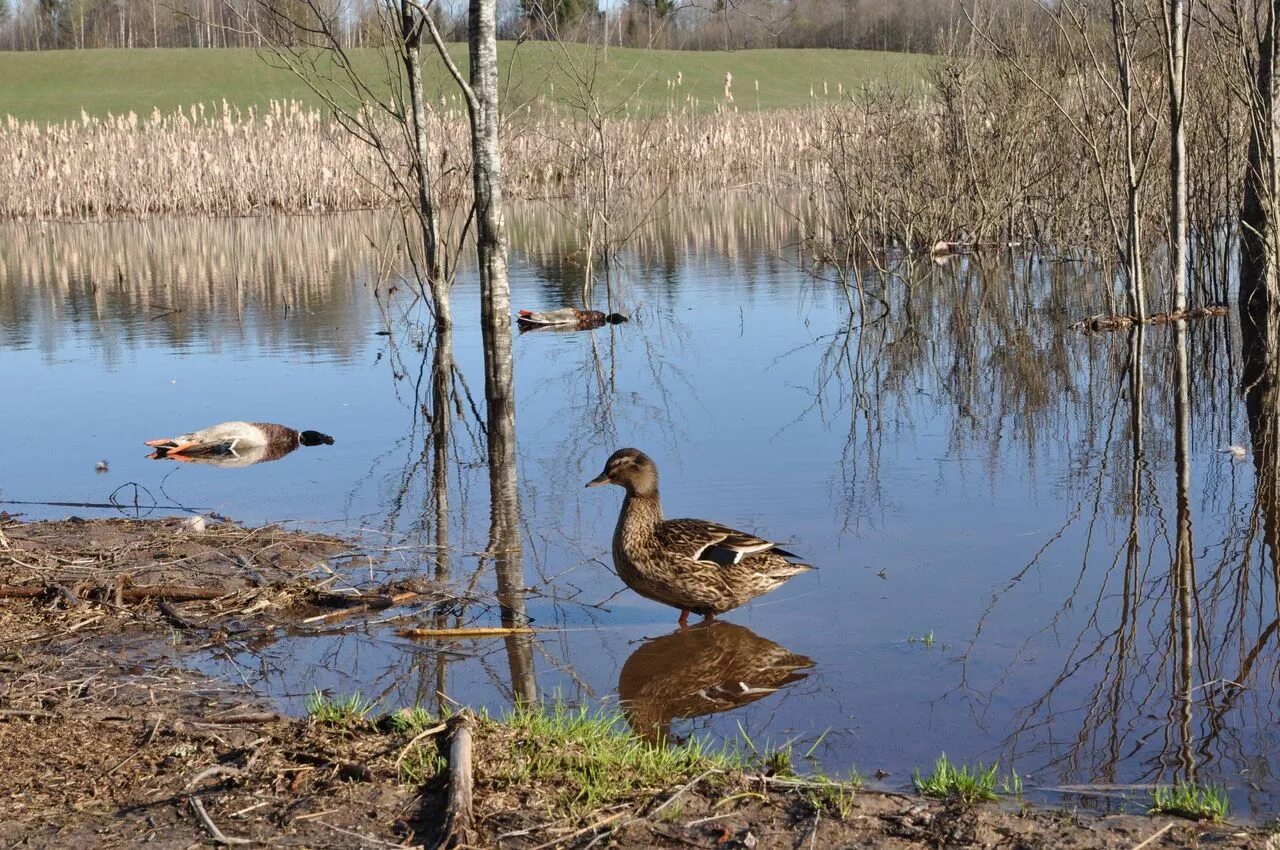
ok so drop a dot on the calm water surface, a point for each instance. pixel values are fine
(996, 571)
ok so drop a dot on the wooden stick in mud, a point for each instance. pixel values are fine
(459, 819)
(171, 592)
(171, 614)
(1168, 826)
(464, 633)
(20, 591)
(212, 828)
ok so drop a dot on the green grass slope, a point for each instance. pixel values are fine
(54, 86)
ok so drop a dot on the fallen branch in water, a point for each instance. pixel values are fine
(358, 604)
(1102, 322)
(467, 633)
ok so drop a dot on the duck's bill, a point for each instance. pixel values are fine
(602, 478)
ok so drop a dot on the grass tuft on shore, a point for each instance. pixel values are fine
(1188, 800)
(594, 758)
(965, 783)
(837, 799)
(341, 712)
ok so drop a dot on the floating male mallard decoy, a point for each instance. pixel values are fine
(232, 437)
(582, 319)
(698, 566)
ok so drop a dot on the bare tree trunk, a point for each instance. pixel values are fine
(495, 323)
(1259, 281)
(491, 250)
(411, 27)
(1175, 36)
(1123, 50)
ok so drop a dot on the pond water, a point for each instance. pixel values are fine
(996, 543)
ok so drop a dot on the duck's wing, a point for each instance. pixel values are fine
(702, 540)
(560, 316)
(215, 438)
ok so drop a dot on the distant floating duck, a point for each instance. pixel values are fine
(101, 467)
(698, 566)
(569, 316)
(257, 438)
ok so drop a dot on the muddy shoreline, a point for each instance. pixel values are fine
(108, 740)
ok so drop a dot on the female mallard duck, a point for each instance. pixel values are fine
(697, 566)
(228, 437)
(583, 319)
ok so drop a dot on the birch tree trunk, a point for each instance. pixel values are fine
(495, 293)
(1122, 46)
(1175, 37)
(411, 27)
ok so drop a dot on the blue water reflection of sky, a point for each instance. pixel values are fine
(919, 512)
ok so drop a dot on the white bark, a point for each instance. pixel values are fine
(1175, 38)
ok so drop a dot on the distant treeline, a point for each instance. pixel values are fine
(921, 26)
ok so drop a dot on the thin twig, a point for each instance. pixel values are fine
(416, 738)
(212, 828)
(605, 821)
(1161, 831)
(684, 788)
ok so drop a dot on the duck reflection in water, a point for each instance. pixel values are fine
(708, 668)
(235, 444)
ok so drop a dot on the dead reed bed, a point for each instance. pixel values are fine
(219, 160)
(228, 282)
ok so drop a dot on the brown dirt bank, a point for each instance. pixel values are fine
(107, 741)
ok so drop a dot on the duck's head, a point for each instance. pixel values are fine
(630, 469)
(615, 319)
(314, 438)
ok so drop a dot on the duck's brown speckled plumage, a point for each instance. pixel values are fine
(695, 565)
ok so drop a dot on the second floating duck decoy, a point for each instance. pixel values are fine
(570, 316)
(698, 566)
(230, 437)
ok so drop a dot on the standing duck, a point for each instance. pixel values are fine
(698, 566)
(581, 319)
(232, 437)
